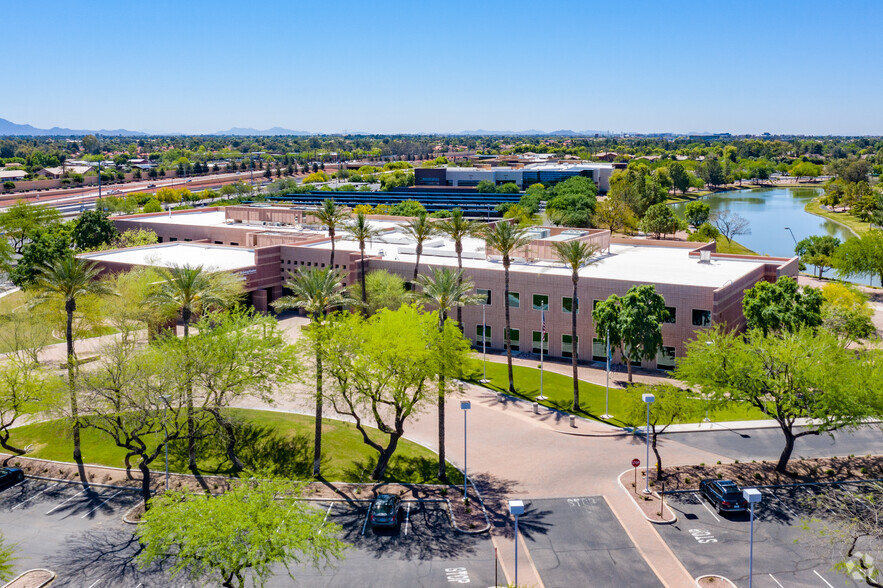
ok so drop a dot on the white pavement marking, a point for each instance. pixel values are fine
(785, 506)
(95, 583)
(702, 502)
(56, 507)
(365, 524)
(328, 512)
(35, 495)
(100, 505)
(822, 579)
(407, 517)
(776, 581)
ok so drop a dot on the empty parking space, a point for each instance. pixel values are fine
(711, 543)
(573, 539)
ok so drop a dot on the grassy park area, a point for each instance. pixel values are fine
(273, 442)
(559, 392)
(724, 246)
(854, 224)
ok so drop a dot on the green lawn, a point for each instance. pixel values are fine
(272, 442)
(854, 224)
(723, 246)
(559, 391)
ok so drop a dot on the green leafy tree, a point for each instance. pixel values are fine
(333, 216)
(805, 374)
(7, 556)
(315, 291)
(245, 531)
(444, 290)
(697, 212)
(92, 230)
(385, 290)
(532, 197)
(506, 238)
(27, 390)
(861, 256)
(419, 228)
(642, 311)
(508, 188)
(408, 208)
(782, 306)
(457, 228)
(712, 173)
(606, 315)
(68, 280)
(705, 233)
(805, 169)
(659, 220)
(672, 405)
(573, 202)
(615, 214)
(486, 187)
(846, 313)
(818, 250)
(637, 187)
(680, 179)
(152, 205)
(361, 230)
(396, 179)
(21, 219)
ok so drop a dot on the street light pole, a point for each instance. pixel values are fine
(465, 405)
(484, 379)
(607, 414)
(516, 508)
(792, 234)
(752, 496)
(648, 400)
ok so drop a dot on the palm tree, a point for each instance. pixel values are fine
(361, 230)
(69, 279)
(189, 290)
(332, 216)
(445, 290)
(419, 228)
(458, 228)
(506, 237)
(575, 254)
(315, 290)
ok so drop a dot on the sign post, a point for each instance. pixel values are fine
(635, 463)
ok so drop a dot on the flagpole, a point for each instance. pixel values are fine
(607, 414)
(542, 340)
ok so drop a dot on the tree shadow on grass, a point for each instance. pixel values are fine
(402, 469)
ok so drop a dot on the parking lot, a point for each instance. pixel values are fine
(578, 541)
(784, 557)
(79, 534)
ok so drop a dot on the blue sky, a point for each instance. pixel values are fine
(412, 66)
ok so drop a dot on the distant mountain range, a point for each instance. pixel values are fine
(248, 132)
(8, 128)
(534, 132)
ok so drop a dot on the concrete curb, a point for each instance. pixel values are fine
(11, 583)
(795, 485)
(655, 522)
(715, 576)
(80, 482)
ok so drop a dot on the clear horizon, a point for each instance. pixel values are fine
(404, 68)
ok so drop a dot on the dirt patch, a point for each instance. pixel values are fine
(762, 473)
(31, 579)
(714, 582)
(651, 504)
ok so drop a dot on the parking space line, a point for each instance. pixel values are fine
(407, 517)
(100, 505)
(95, 583)
(776, 581)
(35, 495)
(365, 524)
(702, 502)
(57, 506)
(328, 512)
(822, 579)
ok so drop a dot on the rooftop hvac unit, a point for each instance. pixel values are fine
(705, 256)
(573, 233)
(538, 233)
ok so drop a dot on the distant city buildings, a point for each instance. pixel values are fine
(523, 176)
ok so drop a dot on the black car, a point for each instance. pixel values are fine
(725, 495)
(10, 476)
(385, 510)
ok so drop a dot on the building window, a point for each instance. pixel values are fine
(219, 242)
(537, 336)
(515, 339)
(567, 305)
(540, 302)
(599, 351)
(188, 239)
(672, 315)
(234, 244)
(159, 239)
(172, 239)
(514, 300)
(485, 295)
(482, 334)
(665, 359)
(701, 318)
(567, 346)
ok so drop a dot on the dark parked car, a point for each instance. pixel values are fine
(151, 185)
(385, 511)
(725, 495)
(10, 476)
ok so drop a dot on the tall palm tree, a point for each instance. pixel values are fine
(315, 290)
(190, 290)
(361, 230)
(506, 237)
(332, 216)
(575, 254)
(445, 290)
(419, 228)
(69, 279)
(458, 228)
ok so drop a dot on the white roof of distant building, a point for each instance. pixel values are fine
(12, 174)
(211, 257)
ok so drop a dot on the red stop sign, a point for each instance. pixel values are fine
(636, 462)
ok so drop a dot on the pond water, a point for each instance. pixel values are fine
(769, 211)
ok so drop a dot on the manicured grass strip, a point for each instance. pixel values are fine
(272, 442)
(559, 392)
(724, 246)
(854, 224)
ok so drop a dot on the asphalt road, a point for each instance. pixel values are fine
(578, 542)
(785, 555)
(746, 444)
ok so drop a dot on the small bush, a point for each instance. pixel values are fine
(720, 476)
(829, 472)
(864, 470)
(756, 475)
(686, 480)
(702, 463)
(718, 462)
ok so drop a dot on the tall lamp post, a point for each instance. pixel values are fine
(792, 234)
(484, 379)
(516, 509)
(752, 496)
(648, 400)
(465, 405)
(607, 414)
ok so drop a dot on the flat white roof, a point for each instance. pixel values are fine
(211, 257)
